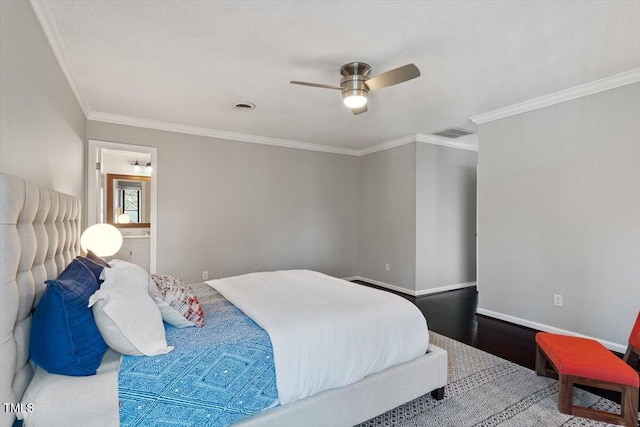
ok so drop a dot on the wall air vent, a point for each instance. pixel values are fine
(244, 106)
(453, 133)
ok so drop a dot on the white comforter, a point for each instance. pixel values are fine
(326, 332)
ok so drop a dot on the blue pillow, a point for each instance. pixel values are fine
(95, 268)
(64, 337)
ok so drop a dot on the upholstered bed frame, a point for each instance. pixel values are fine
(40, 235)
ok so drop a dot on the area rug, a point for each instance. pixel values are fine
(485, 390)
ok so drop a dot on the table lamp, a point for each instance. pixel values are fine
(101, 239)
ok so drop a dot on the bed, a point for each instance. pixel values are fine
(40, 230)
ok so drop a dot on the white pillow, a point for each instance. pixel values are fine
(171, 315)
(123, 270)
(127, 316)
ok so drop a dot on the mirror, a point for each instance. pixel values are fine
(128, 200)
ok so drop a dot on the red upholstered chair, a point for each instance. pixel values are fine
(575, 360)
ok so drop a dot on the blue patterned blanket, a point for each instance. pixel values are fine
(215, 376)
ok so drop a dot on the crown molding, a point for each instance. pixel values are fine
(612, 82)
(52, 34)
(417, 137)
(388, 145)
(214, 133)
(119, 119)
(430, 139)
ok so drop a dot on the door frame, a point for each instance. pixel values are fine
(93, 158)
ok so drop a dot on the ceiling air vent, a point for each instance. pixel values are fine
(244, 106)
(453, 133)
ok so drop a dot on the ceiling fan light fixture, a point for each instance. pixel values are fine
(354, 98)
(356, 83)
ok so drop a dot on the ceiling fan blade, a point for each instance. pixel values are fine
(360, 110)
(316, 85)
(393, 77)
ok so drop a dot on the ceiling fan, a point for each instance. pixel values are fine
(356, 82)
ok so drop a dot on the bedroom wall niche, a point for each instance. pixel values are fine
(387, 235)
(122, 190)
(418, 232)
(445, 218)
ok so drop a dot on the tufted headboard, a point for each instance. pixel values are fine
(39, 236)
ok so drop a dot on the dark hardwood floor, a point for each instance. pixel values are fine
(453, 314)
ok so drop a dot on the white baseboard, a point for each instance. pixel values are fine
(387, 285)
(620, 348)
(412, 292)
(445, 288)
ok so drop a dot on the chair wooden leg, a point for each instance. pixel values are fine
(631, 350)
(628, 415)
(627, 354)
(629, 406)
(565, 394)
(541, 362)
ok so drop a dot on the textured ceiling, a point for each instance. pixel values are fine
(187, 62)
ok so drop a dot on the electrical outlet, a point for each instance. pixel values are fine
(557, 300)
(386, 266)
(205, 275)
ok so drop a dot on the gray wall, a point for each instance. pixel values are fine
(559, 213)
(387, 232)
(42, 127)
(445, 216)
(230, 207)
(418, 213)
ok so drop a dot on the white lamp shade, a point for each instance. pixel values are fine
(102, 239)
(124, 219)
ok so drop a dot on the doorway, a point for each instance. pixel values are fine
(122, 191)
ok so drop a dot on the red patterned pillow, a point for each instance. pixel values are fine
(177, 302)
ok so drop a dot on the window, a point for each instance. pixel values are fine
(129, 199)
